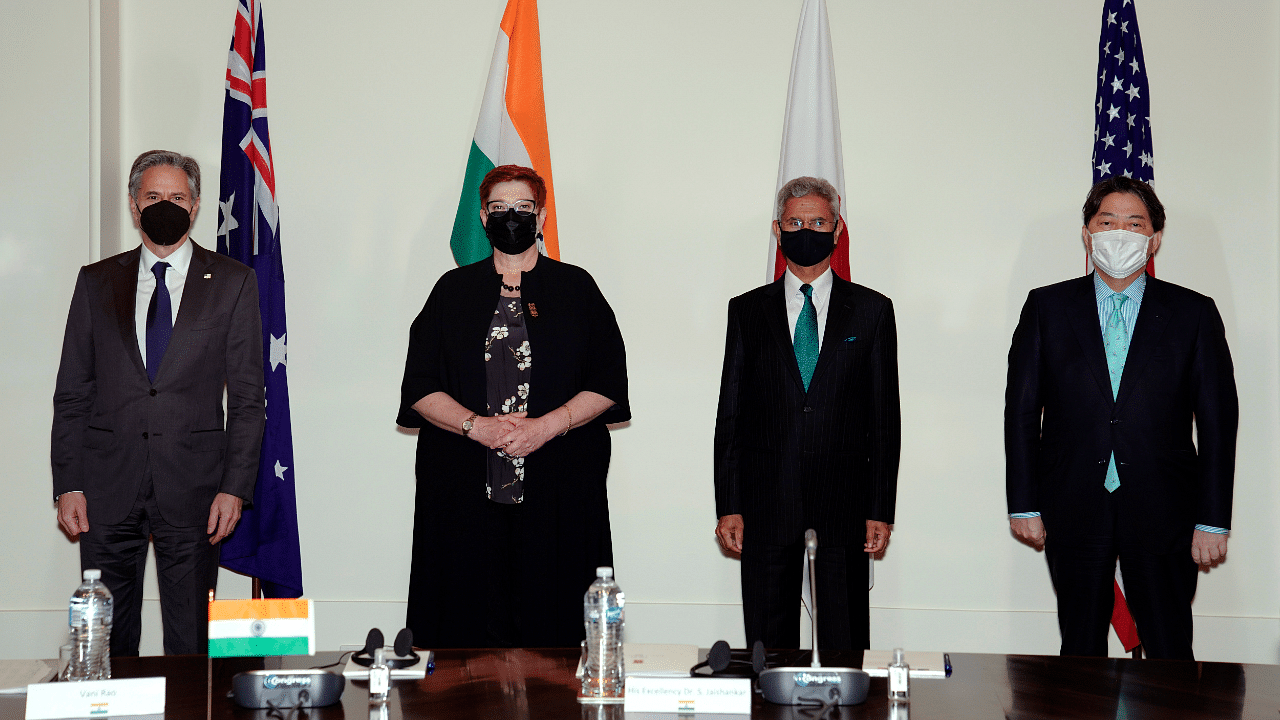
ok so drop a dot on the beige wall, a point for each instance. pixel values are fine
(967, 131)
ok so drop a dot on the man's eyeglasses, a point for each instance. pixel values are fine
(816, 224)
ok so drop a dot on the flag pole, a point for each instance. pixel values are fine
(1122, 147)
(265, 546)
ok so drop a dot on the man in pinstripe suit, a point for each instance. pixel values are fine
(808, 431)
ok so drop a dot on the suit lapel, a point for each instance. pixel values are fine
(1153, 318)
(124, 288)
(775, 316)
(839, 315)
(1082, 313)
(195, 291)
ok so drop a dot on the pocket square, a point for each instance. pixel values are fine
(851, 338)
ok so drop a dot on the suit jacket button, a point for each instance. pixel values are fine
(145, 436)
(153, 392)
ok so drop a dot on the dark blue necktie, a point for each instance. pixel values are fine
(159, 322)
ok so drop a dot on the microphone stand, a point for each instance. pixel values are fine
(811, 554)
(814, 685)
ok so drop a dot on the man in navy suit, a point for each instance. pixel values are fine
(1108, 374)
(808, 431)
(141, 449)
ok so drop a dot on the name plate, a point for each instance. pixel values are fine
(96, 698)
(687, 695)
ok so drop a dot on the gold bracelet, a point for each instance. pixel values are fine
(568, 427)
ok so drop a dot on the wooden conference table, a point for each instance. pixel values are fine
(536, 684)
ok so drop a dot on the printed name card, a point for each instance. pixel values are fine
(96, 698)
(688, 695)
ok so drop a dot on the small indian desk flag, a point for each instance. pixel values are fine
(240, 628)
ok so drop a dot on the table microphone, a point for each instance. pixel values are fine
(814, 684)
(286, 689)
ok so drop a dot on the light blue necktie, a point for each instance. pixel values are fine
(1116, 341)
(806, 337)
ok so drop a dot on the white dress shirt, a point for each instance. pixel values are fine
(175, 278)
(795, 301)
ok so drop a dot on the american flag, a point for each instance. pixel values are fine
(1122, 130)
(265, 544)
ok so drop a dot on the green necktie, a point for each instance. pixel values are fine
(806, 336)
(1116, 341)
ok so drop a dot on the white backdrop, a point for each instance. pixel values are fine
(967, 133)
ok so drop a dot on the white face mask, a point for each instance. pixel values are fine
(1119, 253)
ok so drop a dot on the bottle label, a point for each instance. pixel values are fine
(81, 611)
(613, 614)
(898, 678)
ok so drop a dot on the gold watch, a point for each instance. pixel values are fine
(468, 424)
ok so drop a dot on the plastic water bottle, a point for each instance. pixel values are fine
(899, 678)
(90, 619)
(379, 677)
(602, 612)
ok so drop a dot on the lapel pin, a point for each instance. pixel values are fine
(533, 310)
(208, 276)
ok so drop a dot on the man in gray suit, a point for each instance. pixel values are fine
(140, 447)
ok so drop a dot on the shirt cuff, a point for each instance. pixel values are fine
(1023, 515)
(1212, 529)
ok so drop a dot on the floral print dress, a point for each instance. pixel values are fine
(507, 362)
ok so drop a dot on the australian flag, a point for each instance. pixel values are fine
(265, 544)
(1122, 130)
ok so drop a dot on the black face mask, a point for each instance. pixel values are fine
(164, 222)
(512, 232)
(806, 247)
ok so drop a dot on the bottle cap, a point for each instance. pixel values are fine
(897, 655)
(605, 572)
(92, 574)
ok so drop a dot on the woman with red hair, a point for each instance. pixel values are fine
(515, 365)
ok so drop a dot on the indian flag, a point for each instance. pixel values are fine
(512, 130)
(811, 128)
(239, 628)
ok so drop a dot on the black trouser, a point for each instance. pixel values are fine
(771, 586)
(1158, 586)
(186, 569)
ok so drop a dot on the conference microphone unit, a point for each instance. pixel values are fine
(284, 689)
(814, 685)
